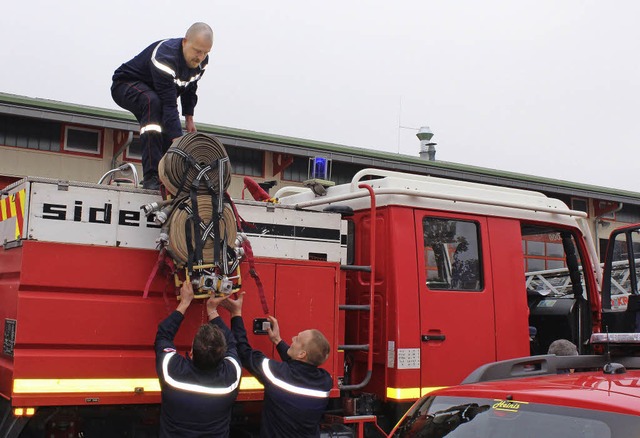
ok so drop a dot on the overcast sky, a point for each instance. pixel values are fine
(545, 87)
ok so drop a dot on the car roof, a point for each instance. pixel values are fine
(619, 393)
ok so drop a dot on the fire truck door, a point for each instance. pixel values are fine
(305, 298)
(456, 299)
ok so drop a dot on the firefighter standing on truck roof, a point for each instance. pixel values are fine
(296, 390)
(197, 393)
(149, 86)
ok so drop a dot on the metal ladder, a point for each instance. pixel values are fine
(368, 347)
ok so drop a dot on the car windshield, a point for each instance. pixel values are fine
(457, 417)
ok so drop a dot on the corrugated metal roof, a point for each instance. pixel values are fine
(115, 119)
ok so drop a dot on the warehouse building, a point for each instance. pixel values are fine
(59, 140)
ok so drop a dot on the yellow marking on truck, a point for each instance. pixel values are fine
(250, 383)
(13, 206)
(403, 393)
(50, 386)
(410, 393)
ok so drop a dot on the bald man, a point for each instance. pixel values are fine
(149, 86)
(296, 390)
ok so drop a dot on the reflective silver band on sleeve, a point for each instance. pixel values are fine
(150, 127)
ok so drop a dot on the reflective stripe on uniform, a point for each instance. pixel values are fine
(191, 387)
(289, 387)
(150, 127)
(160, 65)
(185, 83)
(167, 69)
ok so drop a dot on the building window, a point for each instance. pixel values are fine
(301, 170)
(298, 170)
(246, 161)
(36, 134)
(580, 204)
(452, 254)
(82, 140)
(342, 173)
(629, 214)
(133, 152)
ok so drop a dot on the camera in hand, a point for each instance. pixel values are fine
(261, 326)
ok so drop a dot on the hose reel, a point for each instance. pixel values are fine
(199, 224)
(178, 246)
(187, 157)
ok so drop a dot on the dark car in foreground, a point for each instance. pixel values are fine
(596, 396)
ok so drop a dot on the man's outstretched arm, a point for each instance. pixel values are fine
(251, 359)
(214, 318)
(274, 336)
(168, 328)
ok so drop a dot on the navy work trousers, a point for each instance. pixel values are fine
(144, 103)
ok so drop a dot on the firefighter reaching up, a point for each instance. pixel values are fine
(296, 390)
(198, 392)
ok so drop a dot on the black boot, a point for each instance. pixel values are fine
(151, 182)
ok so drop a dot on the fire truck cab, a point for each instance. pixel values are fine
(456, 277)
(415, 280)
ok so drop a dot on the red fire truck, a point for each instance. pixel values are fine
(415, 280)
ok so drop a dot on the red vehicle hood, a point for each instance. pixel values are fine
(618, 393)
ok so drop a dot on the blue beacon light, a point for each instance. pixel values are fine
(319, 168)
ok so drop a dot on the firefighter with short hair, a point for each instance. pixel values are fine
(149, 85)
(296, 390)
(198, 392)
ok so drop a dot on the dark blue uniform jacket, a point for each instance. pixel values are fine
(162, 67)
(296, 394)
(195, 403)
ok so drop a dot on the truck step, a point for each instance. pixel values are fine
(355, 268)
(354, 347)
(366, 307)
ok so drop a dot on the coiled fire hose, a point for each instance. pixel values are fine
(200, 231)
(194, 155)
(178, 247)
(198, 164)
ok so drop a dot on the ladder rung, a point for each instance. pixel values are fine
(355, 268)
(354, 347)
(354, 307)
